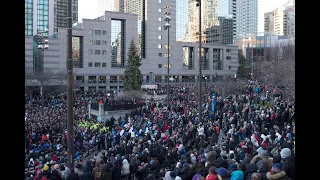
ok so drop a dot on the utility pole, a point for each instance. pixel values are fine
(200, 62)
(70, 89)
(167, 27)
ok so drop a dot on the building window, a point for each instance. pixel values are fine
(159, 37)
(104, 43)
(90, 31)
(104, 64)
(160, 19)
(229, 50)
(159, 1)
(90, 41)
(90, 64)
(159, 46)
(228, 57)
(104, 32)
(90, 51)
(96, 64)
(159, 65)
(229, 67)
(159, 9)
(117, 43)
(98, 32)
(160, 54)
(166, 46)
(97, 42)
(166, 55)
(159, 28)
(97, 52)
(104, 52)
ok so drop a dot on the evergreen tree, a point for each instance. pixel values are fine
(132, 74)
(243, 70)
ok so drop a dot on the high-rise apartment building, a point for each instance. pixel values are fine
(289, 21)
(119, 5)
(61, 12)
(47, 14)
(268, 22)
(281, 21)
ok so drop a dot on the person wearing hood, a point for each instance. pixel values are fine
(78, 169)
(276, 173)
(263, 155)
(250, 169)
(55, 175)
(263, 169)
(87, 175)
(238, 173)
(125, 169)
(288, 163)
(97, 170)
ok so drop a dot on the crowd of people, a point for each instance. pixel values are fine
(249, 135)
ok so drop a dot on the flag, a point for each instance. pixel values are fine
(213, 103)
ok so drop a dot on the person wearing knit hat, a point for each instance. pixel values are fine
(288, 163)
(276, 173)
(221, 173)
(45, 168)
(285, 152)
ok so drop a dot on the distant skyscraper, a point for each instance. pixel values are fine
(39, 16)
(47, 14)
(228, 8)
(246, 17)
(209, 18)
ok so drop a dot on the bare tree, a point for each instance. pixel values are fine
(280, 71)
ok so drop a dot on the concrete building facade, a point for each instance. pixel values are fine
(99, 58)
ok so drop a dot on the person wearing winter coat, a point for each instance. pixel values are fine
(87, 175)
(55, 175)
(72, 175)
(142, 172)
(125, 169)
(264, 156)
(250, 169)
(263, 169)
(288, 163)
(276, 173)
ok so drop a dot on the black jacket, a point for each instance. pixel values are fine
(73, 176)
(288, 166)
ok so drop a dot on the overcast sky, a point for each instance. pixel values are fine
(89, 9)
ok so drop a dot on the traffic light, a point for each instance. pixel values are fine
(198, 3)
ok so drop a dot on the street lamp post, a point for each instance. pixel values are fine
(200, 62)
(70, 88)
(42, 44)
(167, 27)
